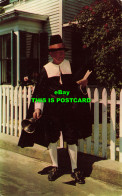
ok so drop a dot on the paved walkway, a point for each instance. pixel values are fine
(19, 176)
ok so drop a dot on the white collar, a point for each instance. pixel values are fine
(53, 69)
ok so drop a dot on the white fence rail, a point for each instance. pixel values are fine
(14, 103)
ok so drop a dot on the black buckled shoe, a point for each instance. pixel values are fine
(78, 176)
(54, 174)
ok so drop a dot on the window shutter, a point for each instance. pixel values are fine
(12, 55)
(13, 58)
(0, 59)
(43, 49)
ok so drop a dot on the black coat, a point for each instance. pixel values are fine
(73, 119)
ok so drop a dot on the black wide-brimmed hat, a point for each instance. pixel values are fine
(56, 43)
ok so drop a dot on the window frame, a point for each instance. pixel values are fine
(2, 59)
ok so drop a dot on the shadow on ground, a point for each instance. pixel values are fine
(85, 161)
(85, 164)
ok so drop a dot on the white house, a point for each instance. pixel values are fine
(25, 28)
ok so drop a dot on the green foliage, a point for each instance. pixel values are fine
(100, 26)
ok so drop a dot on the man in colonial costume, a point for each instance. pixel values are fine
(73, 119)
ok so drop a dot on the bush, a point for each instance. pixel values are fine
(100, 24)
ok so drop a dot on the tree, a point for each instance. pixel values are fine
(100, 26)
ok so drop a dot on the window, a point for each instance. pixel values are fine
(5, 58)
(22, 58)
(29, 55)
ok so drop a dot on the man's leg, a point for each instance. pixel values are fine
(53, 153)
(54, 173)
(76, 174)
(72, 149)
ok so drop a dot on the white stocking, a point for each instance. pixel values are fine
(53, 153)
(72, 149)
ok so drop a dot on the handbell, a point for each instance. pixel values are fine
(29, 125)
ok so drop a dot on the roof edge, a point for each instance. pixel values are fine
(15, 14)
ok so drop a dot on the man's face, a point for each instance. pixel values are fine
(58, 56)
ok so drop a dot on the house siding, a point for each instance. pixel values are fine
(72, 7)
(59, 11)
(52, 8)
(43, 7)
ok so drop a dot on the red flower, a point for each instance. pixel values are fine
(107, 30)
(103, 46)
(86, 7)
(106, 25)
(84, 46)
(93, 13)
(90, 9)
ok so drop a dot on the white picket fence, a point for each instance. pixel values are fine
(14, 103)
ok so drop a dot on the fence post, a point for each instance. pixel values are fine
(12, 111)
(16, 110)
(61, 140)
(25, 102)
(0, 109)
(88, 140)
(113, 125)
(104, 123)
(29, 96)
(96, 122)
(120, 130)
(20, 109)
(8, 110)
(4, 109)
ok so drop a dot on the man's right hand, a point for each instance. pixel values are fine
(37, 114)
